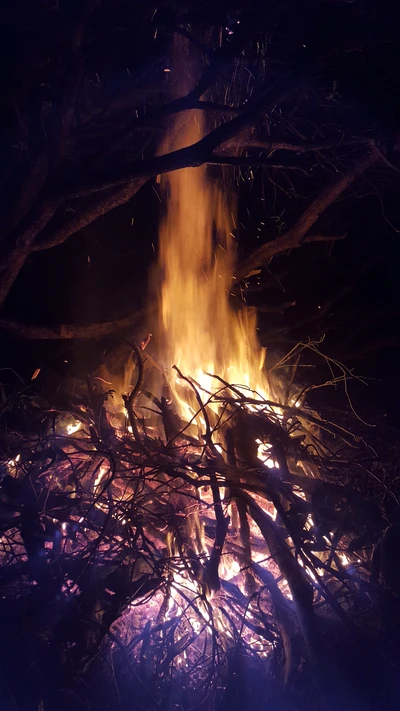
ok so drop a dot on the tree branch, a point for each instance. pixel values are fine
(21, 244)
(85, 214)
(72, 331)
(273, 146)
(253, 162)
(297, 235)
(198, 153)
(16, 250)
(223, 57)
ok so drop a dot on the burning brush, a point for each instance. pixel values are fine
(234, 535)
(213, 524)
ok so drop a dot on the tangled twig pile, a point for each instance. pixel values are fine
(192, 568)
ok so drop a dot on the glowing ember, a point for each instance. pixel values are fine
(72, 428)
(12, 463)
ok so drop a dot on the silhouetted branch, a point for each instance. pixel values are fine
(72, 331)
(196, 154)
(297, 235)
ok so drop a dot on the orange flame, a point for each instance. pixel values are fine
(200, 331)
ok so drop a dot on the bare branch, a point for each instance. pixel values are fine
(85, 214)
(192, 100)
(196, 154)
(323, 238)
(16, 250)
(297, 235)
(273, 146)
(72, 331)
(22, 243)
(253, 162)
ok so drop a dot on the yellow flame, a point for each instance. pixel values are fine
(200, 331)
(14, 462)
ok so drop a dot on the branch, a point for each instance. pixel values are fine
(15, 251)
(26, 185)
(72, 331)
(277, 246)
(129, 181)
(253, 162)
(273, 146)
(386, 161)
(192, 100)
(214, 107)
(198, 153)
(297, 235)
(85, 214)
(324, 238)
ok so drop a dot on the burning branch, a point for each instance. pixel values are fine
(123, 534)
(131, 533)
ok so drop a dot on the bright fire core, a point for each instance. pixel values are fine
(201, 332)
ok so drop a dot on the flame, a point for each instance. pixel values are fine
(201, 332)
(12, 463)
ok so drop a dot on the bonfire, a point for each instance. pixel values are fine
(198, 522)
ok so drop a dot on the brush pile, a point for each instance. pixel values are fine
(148, 563)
